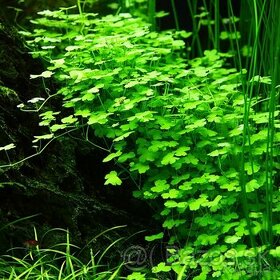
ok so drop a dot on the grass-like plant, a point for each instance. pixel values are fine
(57, 262)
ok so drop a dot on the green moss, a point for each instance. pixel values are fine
(8, 93)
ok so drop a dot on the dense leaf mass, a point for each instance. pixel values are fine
(175, 126)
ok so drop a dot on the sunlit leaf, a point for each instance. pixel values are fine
(161, 267)
(141, 168)
(168, 159)
(260, 79)
(113, 179)
(36, 99)
(170, 223)
(230, 35)
(7, 147)
(98, 117)
(195, 204)
(170, 204)
(126, 156)
(251, 167)
(57, 127)
(191, 159)
(45, 74)
(160, 186)
(112, 156)
(123, 136)
(154, 237)
(275, 252)
(43, 137)
(69, 120)
(173, 193)
(131, 84)
(232, 239)
(88, 96)
(201, 71)
(252, 185)
(83, 113)
(217, 153)
(182, 151)
(205, 239)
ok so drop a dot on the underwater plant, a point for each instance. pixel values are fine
(193, 134)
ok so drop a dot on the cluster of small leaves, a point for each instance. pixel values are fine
(176, 126)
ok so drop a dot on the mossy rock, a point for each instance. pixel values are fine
(8, 94)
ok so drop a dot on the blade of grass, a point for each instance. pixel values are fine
(61, 271)
(69, 265)
(107, 249)
(192, 5)
(175, 15)
(246, 131)
(115, 273)
(274, 56)
(151, 13)
(209, 16)
(217, 25)
(100, 234)
(18, 221)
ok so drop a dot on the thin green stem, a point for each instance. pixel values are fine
(192, 5)
(274, 57)
(151, 13)
(80, 7)
(246, 137)
(217, 25)
(175, 15)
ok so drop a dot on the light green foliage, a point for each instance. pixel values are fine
(113, 179)
(136, 276)
(57, 262)
(161, 267)
(7, 147)
(154, 237)
(176, 125)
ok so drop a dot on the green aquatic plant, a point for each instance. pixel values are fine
(57, 262)
(191, 134)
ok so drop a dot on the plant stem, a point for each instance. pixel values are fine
(217, 25)
(177, 26)
(192, 8)
(151, 13)
(79, 7)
